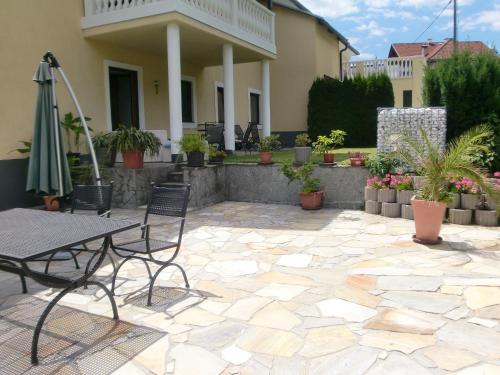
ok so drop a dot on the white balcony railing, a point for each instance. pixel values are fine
(396, 68)
(245, 19)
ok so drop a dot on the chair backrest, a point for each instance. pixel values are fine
(246, 136)
(255, 132)
(238, 132)
(168, 200)
(92, 198)
(215, 134)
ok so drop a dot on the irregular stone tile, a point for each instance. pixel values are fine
(325, 251)
(362, 282)
(483, 322)
(154, 358)
(217, 335)
(191, 359)
(288, 366)
(403, 342)
(321, 322)
(484, 369)
(308, 311)
(252, 237)
(214, 307)
(449, 358)
(351, 312)
(283, 278)
(381, 271)
(478, 297)
(406, 321)
(452, 289)
(270, 341)
(471, 337)
(352, 361)
(233, 268)
(302, 241)
(218, 291)
(294, 260)
(283, 292)
(326, 340)
(358, 296)
(464, 281)
(416, 283)
(276, 316)
(245, 308)
(398, 364)
(235, 355)
(197, 317)
(490, 312)
(425, 301)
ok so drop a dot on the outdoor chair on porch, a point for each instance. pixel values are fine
(85, 198)
(170, 201)
(239, 136)
(215, 135)
(251, 137)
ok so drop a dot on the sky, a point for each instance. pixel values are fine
(373, 25)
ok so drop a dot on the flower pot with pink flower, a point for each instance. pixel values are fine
(469, 193)
(387, 193)
(373, 185)
(404, 188)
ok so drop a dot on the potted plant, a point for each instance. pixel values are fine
(454, 188)
(133, 143)
(195, 147)
(266, 147)
(436, 165)
(484, 214)
(325, 145)
(372, 205)
(358, 159)
(105, 151)
(311, 198)
(302, 149)
(215, 155)
(387, 192)
(73, 126)
(469, 193)
(404, 189)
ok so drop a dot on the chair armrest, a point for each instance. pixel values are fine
(106, 214)
(145, 231)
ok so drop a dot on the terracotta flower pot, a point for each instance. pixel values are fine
(51, 202)
(133, 159)
(357, 162)
(328, 158)
(428, 220)
(311, 201)
(266, 157)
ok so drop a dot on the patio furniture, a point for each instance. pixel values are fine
(167, 200)
(85, 198)
(251, 137)
(30, 234)
(215, 135)
(238, 132)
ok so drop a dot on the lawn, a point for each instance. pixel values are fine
(287, 156)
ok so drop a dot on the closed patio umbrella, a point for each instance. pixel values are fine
(48, 170)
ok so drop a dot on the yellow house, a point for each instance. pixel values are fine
(166, 65)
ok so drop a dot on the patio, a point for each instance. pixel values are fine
(278, 290)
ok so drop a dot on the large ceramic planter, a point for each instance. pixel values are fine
(391, 210)
(302, 155)
(133, 159)
(455, 203)
(373, 207)
(405, 196)
(328, 158)
(486, 218)
(460, 217)
(195, 159)
(51, 202)
(266, 157)
(387, 195)
(407, 212)
(428, 220)
(311, 201)
(469, 201)
(371, 194)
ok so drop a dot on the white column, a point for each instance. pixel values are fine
(174, 85)
(266, 99)
(227, 54)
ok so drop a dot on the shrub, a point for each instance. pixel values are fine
(193, 143)
(302, 140)
(381, 164)
(131, 139)
(349, 105)
(303, 175)
(327, 143)
(270, 143)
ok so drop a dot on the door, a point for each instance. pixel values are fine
(220, 105)
(254, 108)
(124, 97)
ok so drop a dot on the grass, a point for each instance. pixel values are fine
(287, 156)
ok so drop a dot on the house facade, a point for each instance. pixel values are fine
(406, 64)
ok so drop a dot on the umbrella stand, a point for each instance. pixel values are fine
(54, 64)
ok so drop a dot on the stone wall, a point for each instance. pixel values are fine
(393, 122)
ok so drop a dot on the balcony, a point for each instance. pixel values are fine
(396, 68)
(246, 20)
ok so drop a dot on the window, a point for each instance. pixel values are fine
(407, 98)
(255, 108)
(220, 104)
(124, 98)
(187, 93)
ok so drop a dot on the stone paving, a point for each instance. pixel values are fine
(278, 290)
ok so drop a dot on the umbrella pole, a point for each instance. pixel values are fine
(56, 130)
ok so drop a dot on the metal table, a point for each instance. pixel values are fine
(26, 235)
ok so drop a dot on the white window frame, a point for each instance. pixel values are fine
(258, 92)
(217, 84)
(194, 124)
(140, 88)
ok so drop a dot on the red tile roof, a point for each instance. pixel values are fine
(435, 50)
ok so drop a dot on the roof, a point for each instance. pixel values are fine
(298, 7)
(435, 50)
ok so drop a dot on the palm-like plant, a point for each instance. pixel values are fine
(436, 165)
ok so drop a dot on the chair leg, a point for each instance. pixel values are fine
(183, 274)
(23, 283)
(77, 266)
(113, 281)
(157, 273)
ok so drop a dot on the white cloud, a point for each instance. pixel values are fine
(374, 29)
(486, 20)
(363, 56)
(332, 8)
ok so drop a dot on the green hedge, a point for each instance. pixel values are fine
(350, 105)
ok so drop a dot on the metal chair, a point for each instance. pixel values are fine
(171, 201)
(251, 137)
(238, 132)
(85, 198)
(215, 135)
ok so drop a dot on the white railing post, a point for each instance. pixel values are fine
(90, 8)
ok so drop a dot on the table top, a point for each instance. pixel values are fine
(26, 234)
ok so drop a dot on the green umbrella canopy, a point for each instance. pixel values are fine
(48, 171)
